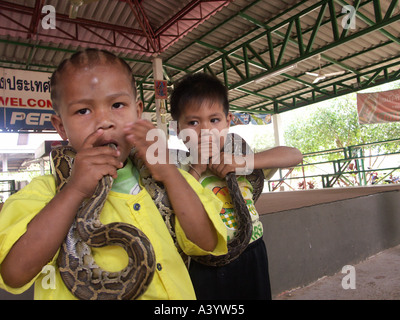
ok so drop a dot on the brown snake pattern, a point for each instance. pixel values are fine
(237, 146)
(80, 273)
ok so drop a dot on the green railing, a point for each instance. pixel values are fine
(349, 167)
(7, 188)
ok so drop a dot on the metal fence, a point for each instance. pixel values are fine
(7, 188)
(359, 165)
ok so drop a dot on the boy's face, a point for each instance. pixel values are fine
(206, 117)
(95, 98)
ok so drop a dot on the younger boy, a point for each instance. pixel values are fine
(199, 104)
(94, 96)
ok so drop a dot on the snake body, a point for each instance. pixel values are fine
(237, 146)
(80, 273)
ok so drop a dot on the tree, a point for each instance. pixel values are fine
(335, 125)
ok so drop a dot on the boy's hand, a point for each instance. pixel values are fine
(227, 163)
(208, 147)
(152, 148)
(91, 164)
(207, 151)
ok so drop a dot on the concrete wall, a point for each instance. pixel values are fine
(307, 243)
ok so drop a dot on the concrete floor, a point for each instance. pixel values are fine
(377, 278)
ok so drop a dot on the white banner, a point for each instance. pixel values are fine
(25, 100)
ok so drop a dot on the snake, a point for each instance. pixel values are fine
(237, 146)
(78, 269)
(88, 281)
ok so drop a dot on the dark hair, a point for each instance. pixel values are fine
(197, 88)
(89, 57)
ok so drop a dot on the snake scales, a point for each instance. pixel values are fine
(237, 146)
(80, 273)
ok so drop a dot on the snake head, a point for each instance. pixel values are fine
(112, 146)
(109, 143)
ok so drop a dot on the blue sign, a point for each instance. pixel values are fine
(26, 119)
(247, 118)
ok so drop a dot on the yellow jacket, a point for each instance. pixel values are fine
(171, 279)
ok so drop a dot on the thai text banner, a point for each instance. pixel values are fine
(25, 102)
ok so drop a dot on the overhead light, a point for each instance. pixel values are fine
(275, 73)
(74, 7)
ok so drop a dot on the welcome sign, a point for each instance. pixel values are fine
(25, 100)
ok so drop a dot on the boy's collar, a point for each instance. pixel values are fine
(125, 171)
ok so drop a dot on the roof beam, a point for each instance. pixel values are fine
(375, 76)
(35, 18)
(377, 19)
(307, 50)
(299, 43)
(145, 26)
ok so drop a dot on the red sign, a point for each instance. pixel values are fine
(378, 107)
(160, 89)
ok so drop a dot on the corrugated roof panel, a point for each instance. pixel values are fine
(227, 33)
(238, 23)
(160, 11)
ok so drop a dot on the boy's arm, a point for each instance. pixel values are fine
(187, 206)
(278, 157)
(47, 230)
(43, 237)
(189, 210)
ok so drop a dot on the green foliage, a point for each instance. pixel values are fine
(335, 125)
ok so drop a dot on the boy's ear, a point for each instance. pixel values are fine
(139, 108)
(58, 125)
(229, 118)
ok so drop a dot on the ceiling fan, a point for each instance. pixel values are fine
(320, 75)
(75, 5)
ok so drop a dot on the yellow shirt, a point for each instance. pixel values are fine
(171, 279)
